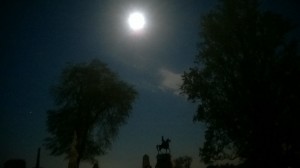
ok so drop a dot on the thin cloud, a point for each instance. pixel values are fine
(171, 81)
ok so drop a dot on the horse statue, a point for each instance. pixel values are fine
(164, 145)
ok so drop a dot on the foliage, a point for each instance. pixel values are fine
(223, 166)
(91, 105)
(246, 83)
(183, 162)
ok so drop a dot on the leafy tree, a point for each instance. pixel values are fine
(91, 105)
(222, 166)
(246, 84)
(183, 162)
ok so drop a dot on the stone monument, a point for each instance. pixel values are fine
(37, 165)
(15, 163)
(146, 162)
(163, 159)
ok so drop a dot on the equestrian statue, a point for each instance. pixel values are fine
(164, 145)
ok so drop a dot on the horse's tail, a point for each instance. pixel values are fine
(157, 147)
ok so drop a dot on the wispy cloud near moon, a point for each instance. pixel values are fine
(171, 81)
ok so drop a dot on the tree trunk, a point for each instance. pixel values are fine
(74, 159)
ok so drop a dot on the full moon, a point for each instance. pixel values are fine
(136, 21)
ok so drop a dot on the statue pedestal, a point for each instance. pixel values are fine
(163, 161)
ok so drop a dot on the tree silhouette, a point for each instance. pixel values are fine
(183, 162)
(91, 104)
(246, 84)
(223, 166)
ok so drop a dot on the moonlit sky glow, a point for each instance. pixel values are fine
(136, 21)
(39, 38)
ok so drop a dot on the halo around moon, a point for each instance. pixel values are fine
(136, 21)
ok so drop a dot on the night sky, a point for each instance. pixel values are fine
(38, 38)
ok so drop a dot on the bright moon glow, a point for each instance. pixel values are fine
(136, 21)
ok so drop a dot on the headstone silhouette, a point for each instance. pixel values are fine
(96, 165)
(146, 162)
(15, 163)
